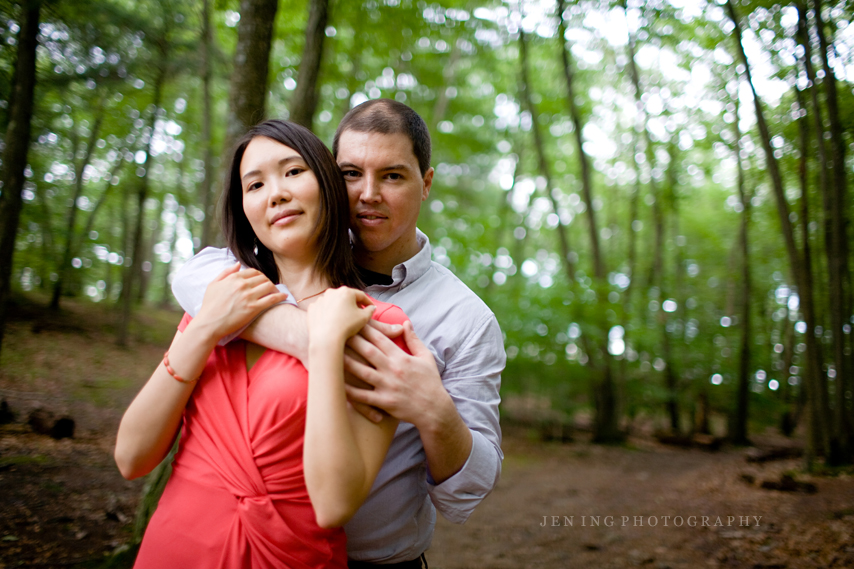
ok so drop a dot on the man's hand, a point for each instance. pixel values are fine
(404, 386)
(409, 388)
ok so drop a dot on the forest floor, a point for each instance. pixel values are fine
(64, 504)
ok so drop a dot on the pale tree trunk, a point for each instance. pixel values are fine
(153, 239)
(70, 240)
(17, 143)
(836, 207)
(206, 188)
(248, 91)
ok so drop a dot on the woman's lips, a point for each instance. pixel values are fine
(285, 217)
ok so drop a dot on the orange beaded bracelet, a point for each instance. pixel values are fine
(172, 371)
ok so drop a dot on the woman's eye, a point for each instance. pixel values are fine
(253, 186)
(294, 172)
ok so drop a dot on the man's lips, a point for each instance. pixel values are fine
(370, 216)
(284, 216)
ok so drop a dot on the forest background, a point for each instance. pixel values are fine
(651, 196)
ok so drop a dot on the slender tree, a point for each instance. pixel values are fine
(17, 145)
(304, 101)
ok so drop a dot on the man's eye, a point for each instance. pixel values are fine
(350, 174)
(395, 176)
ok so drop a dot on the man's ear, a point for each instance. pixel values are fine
(427, 185)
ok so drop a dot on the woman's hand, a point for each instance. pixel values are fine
(338, 314)
(234, 298)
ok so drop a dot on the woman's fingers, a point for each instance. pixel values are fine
(229, 271)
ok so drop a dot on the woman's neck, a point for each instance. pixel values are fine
(301, 278)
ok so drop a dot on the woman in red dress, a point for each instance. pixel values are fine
(272, 461)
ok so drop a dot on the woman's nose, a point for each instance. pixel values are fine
(279, 193)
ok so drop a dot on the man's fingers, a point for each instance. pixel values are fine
(363, 396)
(413, 342)
(359, 370)
(370, 413)
(348, 351)
(389, 330)
(379, 340)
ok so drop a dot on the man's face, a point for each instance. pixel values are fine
(386, 189)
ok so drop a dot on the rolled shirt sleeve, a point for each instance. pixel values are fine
(473, 379)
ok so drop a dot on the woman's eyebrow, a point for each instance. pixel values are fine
(282, 162)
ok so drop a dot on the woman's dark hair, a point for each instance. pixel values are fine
(334, 253)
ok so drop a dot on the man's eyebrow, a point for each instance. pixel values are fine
(346, 165)
(282, 162)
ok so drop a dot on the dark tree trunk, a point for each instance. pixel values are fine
(803, 284)
(583, 161)
(815, 381)
(836, 206)
(17, 147)
(542, 161)
(70, 238)
(304, 101)
(206, 188)
(739, 431)
(132, 275)
(248, 91)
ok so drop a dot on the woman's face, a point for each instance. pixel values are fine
(281, 198)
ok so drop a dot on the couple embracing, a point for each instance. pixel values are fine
(309, 409)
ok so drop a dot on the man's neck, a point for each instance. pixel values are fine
(385, 261)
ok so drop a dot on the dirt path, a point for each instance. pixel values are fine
(644, 494)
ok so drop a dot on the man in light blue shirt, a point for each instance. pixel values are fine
(446, 453)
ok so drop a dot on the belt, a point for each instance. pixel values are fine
(412, 564)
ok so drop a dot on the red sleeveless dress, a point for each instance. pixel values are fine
(237, 496)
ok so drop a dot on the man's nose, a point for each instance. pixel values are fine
(370, 189)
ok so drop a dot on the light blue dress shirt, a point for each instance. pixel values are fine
(396, 522)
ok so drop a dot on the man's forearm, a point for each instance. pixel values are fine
(282, 328)
(447, 441)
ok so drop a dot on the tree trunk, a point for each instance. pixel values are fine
(133, 273)
(836, 206)
(70, 239)
(17, 143)
(739, 432)
(583, 161)
(304, 101)
(206, 188)
(545, 171)
(248, 90)
(804, 286)
(812, 376)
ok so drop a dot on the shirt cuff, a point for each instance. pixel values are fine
(457, 497)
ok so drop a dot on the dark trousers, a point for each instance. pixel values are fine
(419, 563)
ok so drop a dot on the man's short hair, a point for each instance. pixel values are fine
(387, 116)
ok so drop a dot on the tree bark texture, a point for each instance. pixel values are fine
(836, 206)
(248, 90)
(207, 188)
(70, 239)
(583, 160)
(304, 101)
(17, 147)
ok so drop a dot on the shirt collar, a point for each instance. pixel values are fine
(413, 268)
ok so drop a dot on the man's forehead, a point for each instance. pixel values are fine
(355, 145)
